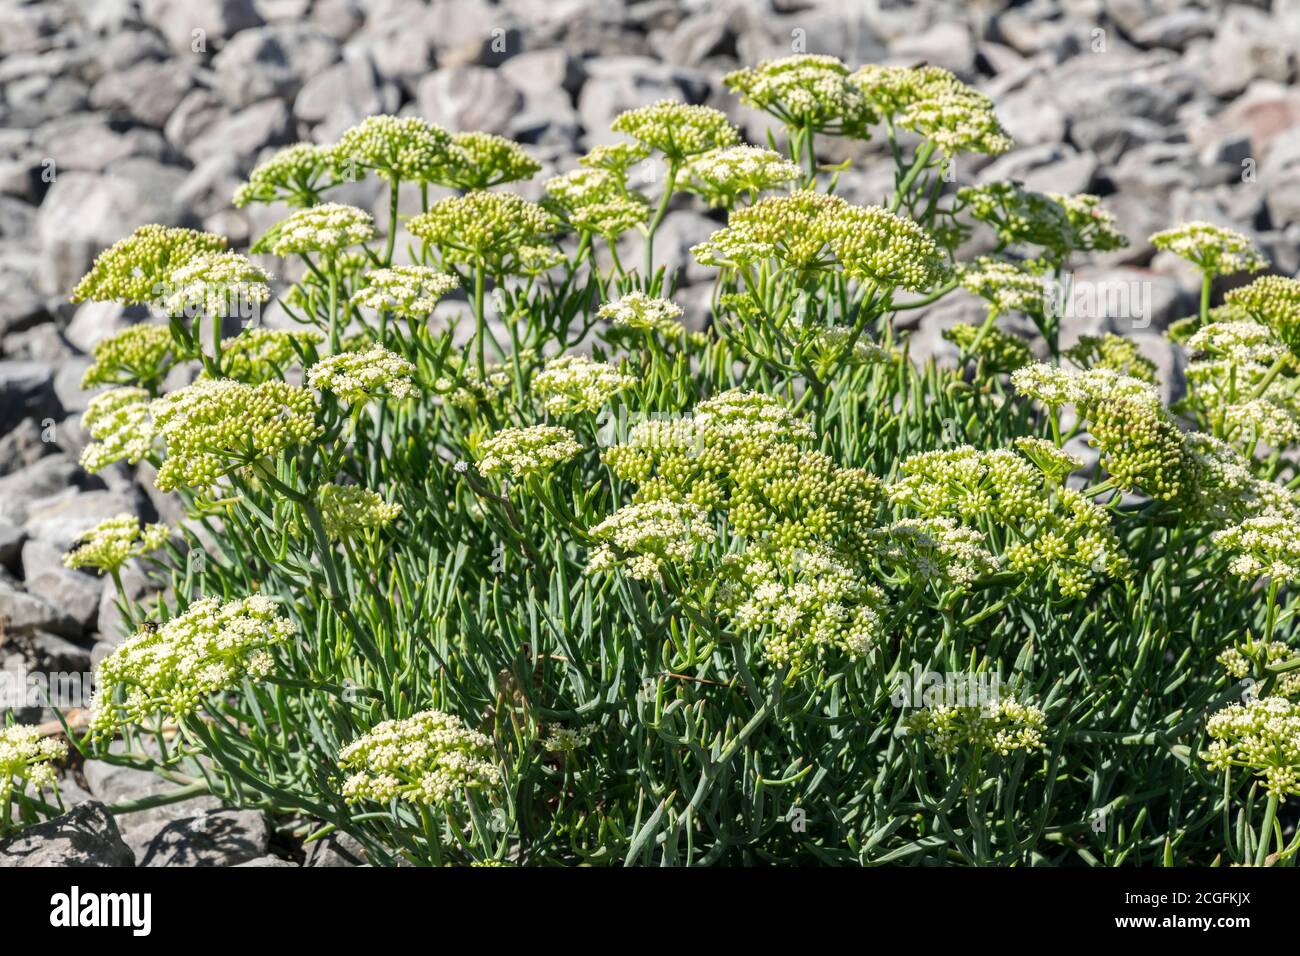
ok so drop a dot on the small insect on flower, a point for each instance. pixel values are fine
(166, 672)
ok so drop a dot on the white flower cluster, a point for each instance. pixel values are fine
(119, 422)
(529, 452)
(806, 91)
(721, 176)
(645, 536)
(1006, 286)
(1213, 249)
(1003, 726)
(1265, 545)
(358, 377)
(937, 551)
(113, 542)
(562, 739)
(408, 291)
(327, 228)
(805, 604)
(571, 384)
(217, 283)
(26, 759)
(347, 511)
(644, 313)
(166, 670)
(428, 758)
(1262, 736)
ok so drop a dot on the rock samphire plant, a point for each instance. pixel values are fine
(499, 556)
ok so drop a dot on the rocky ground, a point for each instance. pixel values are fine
(117, 113)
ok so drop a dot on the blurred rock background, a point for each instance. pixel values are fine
(116, 113)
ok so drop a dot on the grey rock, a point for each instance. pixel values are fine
(76, 593)
(467, 98)
(203, 23)
(25, 615)
(47, 476)
(1110, 137)
(196, 113)
(84, 836)
(86, 142)
(245, 133)
(345, 94)
(86, 212)
(271, 61)
(1175, 29)
(268, 861)
(146, 92)
(621, 83)
(25, 445)
(947, 43)
(1127, 300)
(472, 32)
(26, 391)
(11, 545)
(216, 838)
(1249, 46)
(95, 321)
(335, 850)
(62, 518)
(52, 653)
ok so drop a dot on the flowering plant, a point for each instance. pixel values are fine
(602, 580)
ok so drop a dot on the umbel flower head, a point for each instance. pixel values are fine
(296, 175)
(1006, 286)
(891, 251)
(257, 355)
(615, 158)
(676, 129)
(27, 760)
(122, 428)
(596, 201)
(933, 103)
(643, 313)
(1003, 726)
(935, 551)
(348, 511)
(1142, 447)
(1092, 228)
(357, 377)
(138, 355)
(217, 284)
(110, 544)
(795, 230)
(1213, 249)
(482, 160)
(136, 270)
(1263, 545)
(1059, 535)
(722, 176)
(1020, 216)
(167, 670)
(806, 91)
(644, 537)
(403, 148)
(571, 384)
(487, 228)
(1112, 352)
(429, 758)
(328, 228)
(999, 351)
(1262, 737)
(806, 604)
(408, 291)
(217, 425)
(1273, 301)
(526, 453)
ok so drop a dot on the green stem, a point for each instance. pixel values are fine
(669, 184)
(919, 162)
(1266, 831)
